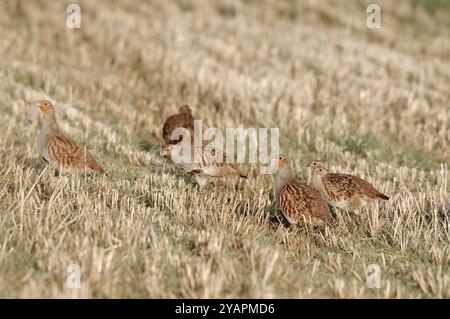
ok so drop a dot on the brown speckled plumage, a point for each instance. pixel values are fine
(183, 119)
(343, 190)
(60, 151)
(299, 202)
(205, 162)
(68, 154)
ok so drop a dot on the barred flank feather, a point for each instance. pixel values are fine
(298, 202)
(67, 153)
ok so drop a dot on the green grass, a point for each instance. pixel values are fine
(433, 6)
(389, 149)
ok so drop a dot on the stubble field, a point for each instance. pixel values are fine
(374, 103)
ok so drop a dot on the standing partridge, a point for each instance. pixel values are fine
(183, 119)
(61, 152)
(342, 190)
(205, 162)
(299, 202)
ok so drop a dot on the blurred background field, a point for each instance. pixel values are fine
(375, 103)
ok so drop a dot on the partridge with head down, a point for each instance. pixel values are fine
(205, 162)
(299, 202)
(184, 119)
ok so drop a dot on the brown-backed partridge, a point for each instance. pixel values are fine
(342, 190)
(205, 163)
(61, 152)
(183, 119)
(299, 202)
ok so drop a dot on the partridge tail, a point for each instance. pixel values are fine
(96, 167)
(382, 196)
(236, 170)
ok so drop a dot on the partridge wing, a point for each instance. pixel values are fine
(368, 189)
(341, 186)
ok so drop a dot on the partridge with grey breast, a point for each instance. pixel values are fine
(343, 191)
(60, 151)
(205, 163)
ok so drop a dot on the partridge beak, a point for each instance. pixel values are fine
(37, 104)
